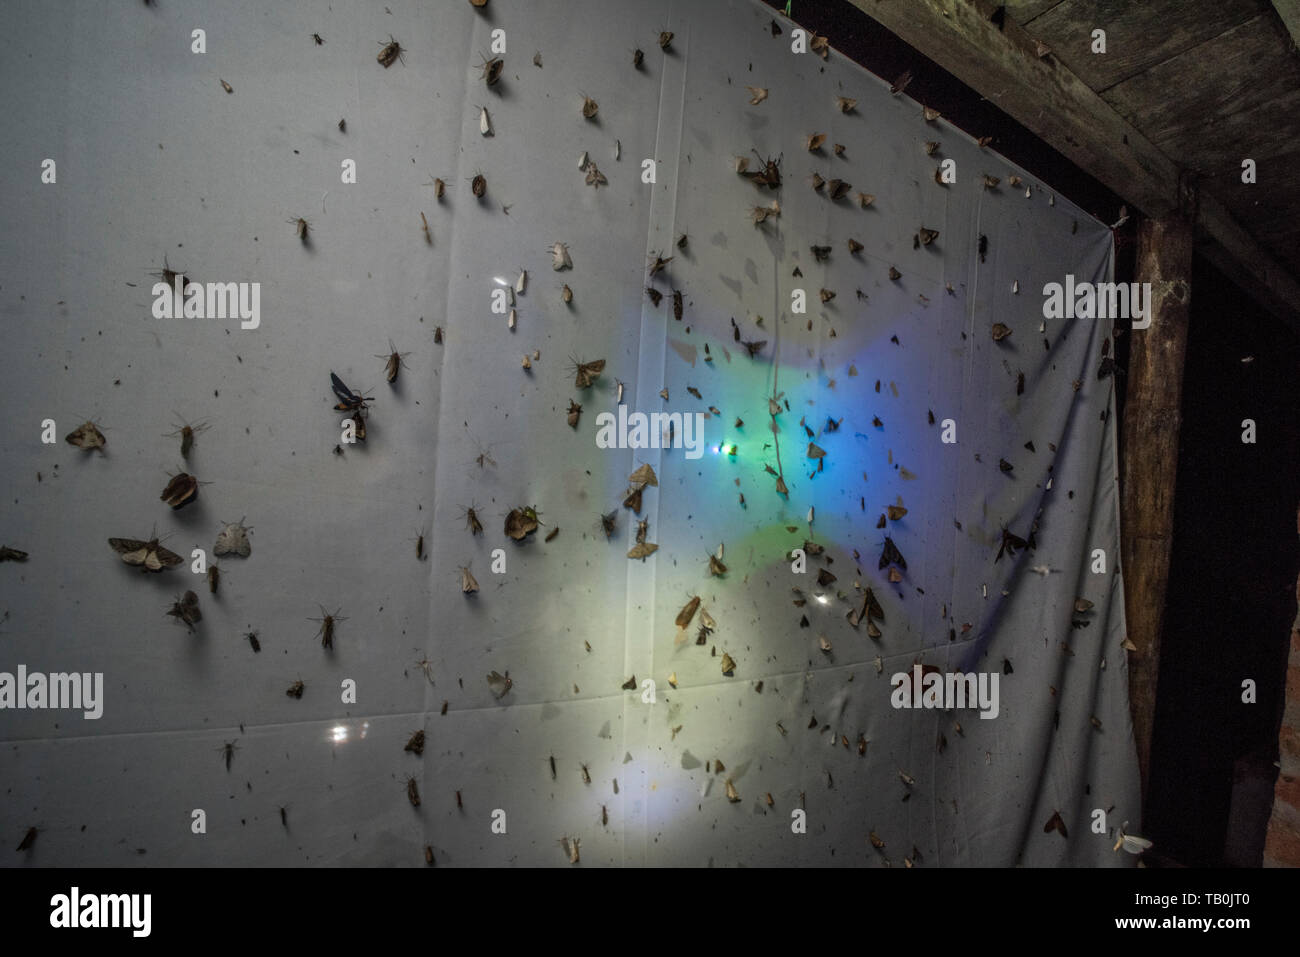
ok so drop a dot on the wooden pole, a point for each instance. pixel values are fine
(1149, 458)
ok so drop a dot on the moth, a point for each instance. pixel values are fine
(471, 521)
(757, 94)
(983, 246)
(1000, 331)
(608, 522)
(416, 744)
(413, 792)
(295, 690)
(688, 612)
(327, 623)
(550, 536)
(187, 433)
(658, 263)
(1056, 823)
(818, 183)
(769, 175)
(876, 842)
(642, 550)
(899, 85)
(343, 126)
(428, 238)
(665, 39)
(437, 335)
(302, 228)
(349, 401)
(560, 259)
(589, 107)
(930, 114)
(566, 294)
(214, 577)
(927, 236)
(820, 253)
(654, 295)
(931, 147)
(1130, 842)
(484, 122)
(181, 490)
(677, 306)
(186, 609)
(991, 182)
(637, 58)
(227, 87)
(732, 795)
(855, 247)
(478, 185)
(8, 554)
(419, 546)
(318, 38)
(845, 104)
(1009, 544)
(586, 775)
(490, 70)
(716, 567)
(150, 556)
(728, 664)
(391, 52)
(573, 414)
(393, 360)
(760, 214)
(254, 641)
(820, 45)
(890, 555)
(826, 295)
(642, 529)
(227, 751)
(468, 584)
(521, 522)
(86, 437)
(984, 141)
(233, 540)
(838, 188)
(586, 373)
(814, 142)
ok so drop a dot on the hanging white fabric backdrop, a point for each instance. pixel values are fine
(155, 159)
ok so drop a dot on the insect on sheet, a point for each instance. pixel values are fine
(649, 443)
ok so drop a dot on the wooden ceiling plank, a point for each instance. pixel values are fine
(1289, 11)
(1045, 97)
(1138, 35)
(1265, 133)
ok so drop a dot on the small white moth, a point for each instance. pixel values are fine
(1015, 287)
(511, 320)
(484, 121)
(810, 514)
(582, 161)
(233, 539)
(619, 382)
(560, 259)
(522, 282)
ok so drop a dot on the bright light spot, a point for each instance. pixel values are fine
(823, 599)
(499, 281)
(339, 733)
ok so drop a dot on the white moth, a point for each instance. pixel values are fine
(484, 121)
(511, 293)
(1130, 842)
(233, 540)
(511, 320)
(1051, 200)
(810, 514)
(620, 391)
(1041, 570)
(1015, 287)
(1028, 192)
(985, 590)
(560, 259)
(582, 161)
(499, 684)
(522, 282)
(1042, 326)
(720, 546)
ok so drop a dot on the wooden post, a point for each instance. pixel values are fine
(1149, 458)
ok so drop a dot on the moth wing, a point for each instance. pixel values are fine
(340, 390)
(165, 556)
(1134, 845)
(124, 545)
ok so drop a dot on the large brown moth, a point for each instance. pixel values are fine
(1056, 823)
(233, 540)
(86, 437)
(416, 744)
(186, 609)
(521, 522)
(813, 142)
(150, 556)
(585, 373)
(180, 491)
(642, 550)
(838, 188)
(769, 175)
(890, 555)
(187, 433)
(327, 623)
(392, 51)
(688, 612)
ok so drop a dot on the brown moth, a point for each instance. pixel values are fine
(150, 556)
(343, 126)
(826, 295)
(817, 182)
(728, 664)
(589, 107)
(855, 247)
(769, 175)
(468, 584)
(821, 253)
(595, 178)
(186, 609)
(393, 361)
(428, 237)
(927, 236)
(302, 228)
(876, 841)
(428, 850)
(478, 185)
(716, 567)
(838, 188)
(642, 550)
(214, 577)
(895, 274)
(86, 437)
(846, 104)
(608, 522)
(419, 545)
(550, 536)
(180, 491)
(899, 85)
(572, 416)
(8, 554)
(658, 264)
(665, 39)
(566, 294)
(416, 744)
(760, 214)
(226, 86)
(1056, 823)
(28, 840)
(991, 182)
(820, 45)
(814, 142)
(654, 295)
(413, 792)
(930, 114)
(1000, 331)
(931, 147)
(391, 52)
(490, 70)
(637, 58)
(471, 521)
(585, 373)
(677, 306)
(437, 335)
(327, 623)
(521, 522)
(757, 94)
(866, 199)
(296, 689)
(688, 612)
(187, 433)
(732, 794)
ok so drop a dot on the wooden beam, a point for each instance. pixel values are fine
(1149, 459)
(1289, 11)
(1045, 97)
